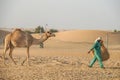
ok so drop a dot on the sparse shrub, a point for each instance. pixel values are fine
(115, 30)
(39, 29)
(53, 30)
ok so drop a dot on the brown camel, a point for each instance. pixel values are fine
(19, 38)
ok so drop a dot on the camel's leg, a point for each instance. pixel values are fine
(28, 55)
(4, 53)
(23, 61)
(27, 58)
(10, 54)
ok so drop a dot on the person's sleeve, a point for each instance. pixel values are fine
(94, 45)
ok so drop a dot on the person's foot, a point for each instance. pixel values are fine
(89, 66)
(103, 67)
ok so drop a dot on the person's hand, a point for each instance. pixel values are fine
(88, 52)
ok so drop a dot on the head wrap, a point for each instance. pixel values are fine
(99, 38)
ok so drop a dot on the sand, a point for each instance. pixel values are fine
(63, 58)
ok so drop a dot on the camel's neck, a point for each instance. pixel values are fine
(43, 38)
(38, 41)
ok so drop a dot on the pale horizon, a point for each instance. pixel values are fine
(62, 14)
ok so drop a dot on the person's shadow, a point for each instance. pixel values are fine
(112, 67)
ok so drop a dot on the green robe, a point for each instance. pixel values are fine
(97, 54)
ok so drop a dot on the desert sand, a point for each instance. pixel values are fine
(64, 57)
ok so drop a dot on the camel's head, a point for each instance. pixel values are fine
(50, 34)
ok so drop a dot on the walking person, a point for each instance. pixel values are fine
(97, 53)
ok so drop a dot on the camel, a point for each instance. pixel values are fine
(19, 38)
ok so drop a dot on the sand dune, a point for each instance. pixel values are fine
(2, 35)
(87, 36)
(80, 35)
(2, 32)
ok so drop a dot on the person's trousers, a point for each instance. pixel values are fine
(97, 56)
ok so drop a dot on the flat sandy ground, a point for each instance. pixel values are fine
(60, 60)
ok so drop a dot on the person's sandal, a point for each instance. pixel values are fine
(89, 66)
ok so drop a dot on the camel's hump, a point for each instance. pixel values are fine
(17, 29)
(20, 38)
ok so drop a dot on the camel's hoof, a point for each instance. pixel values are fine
(21, 64)
(15, 63)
